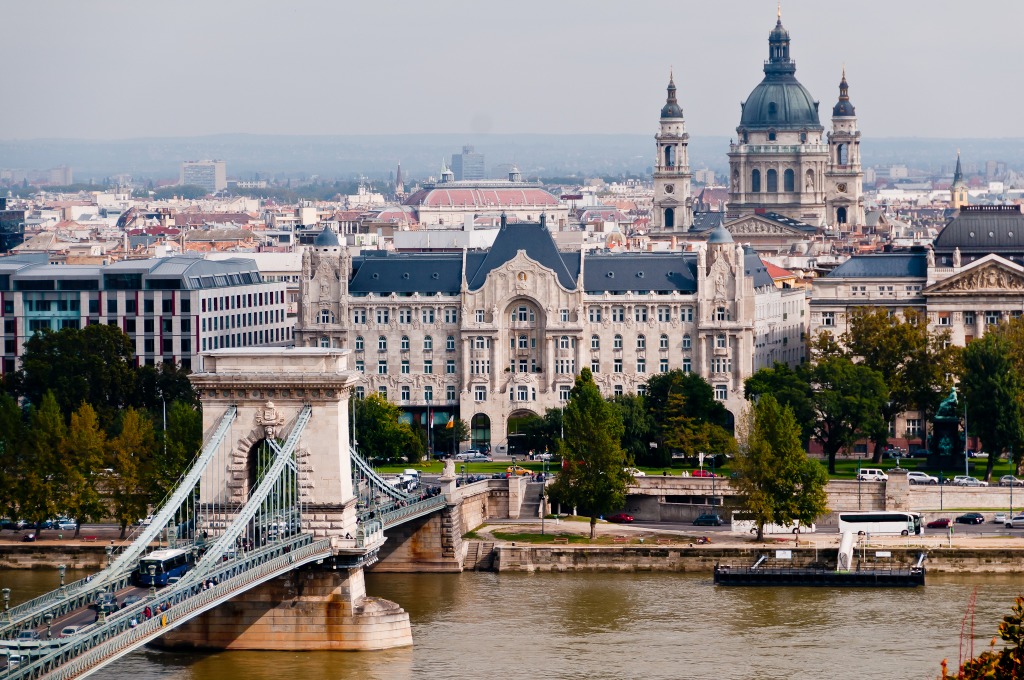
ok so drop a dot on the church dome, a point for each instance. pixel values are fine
(720, 235)
(326, 239)
(780, 101)
(843, 107)
(671, 109)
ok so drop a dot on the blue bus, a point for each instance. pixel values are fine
(167, 564)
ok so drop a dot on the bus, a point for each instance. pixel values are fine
(743, 523)
(167, 564)
(881, 522)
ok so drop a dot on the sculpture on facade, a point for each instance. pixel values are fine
(269, 419)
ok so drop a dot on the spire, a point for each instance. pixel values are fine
(843, 107)
(671, 108)
(958, 175)
(778, 49)
(399, 185)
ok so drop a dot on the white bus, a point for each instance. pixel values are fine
(743, 523)
(881, 522)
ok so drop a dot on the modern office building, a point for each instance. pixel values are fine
(12, 226)
(493, 335)
(172, 308)
(210, 175)
(468, 165)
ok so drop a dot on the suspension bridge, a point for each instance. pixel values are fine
(275, 501)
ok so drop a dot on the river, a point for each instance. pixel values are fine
(612, 626)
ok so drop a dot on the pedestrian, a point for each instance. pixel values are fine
(147, 613)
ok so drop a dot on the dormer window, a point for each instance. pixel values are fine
(771, 135)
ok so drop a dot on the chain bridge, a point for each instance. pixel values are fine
(260, 545)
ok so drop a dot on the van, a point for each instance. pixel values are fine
(871, 475)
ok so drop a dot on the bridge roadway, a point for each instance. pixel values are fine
(102, 642)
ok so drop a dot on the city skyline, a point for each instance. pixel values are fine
(915, 69)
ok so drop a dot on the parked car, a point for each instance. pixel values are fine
(1010, 480)
(68, 631)
(702, 473)
(1001, 518)
(1015, 522)
(971, 518)
(14, 524)
(964, 480)
(941, 523)
(708, 519)
(633, 472)
(64, 524)
(28, 636)
(516, 470)
(871, 475)
(921, 478)
(620, 518)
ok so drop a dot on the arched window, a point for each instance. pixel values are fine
(842, 154)
(326, 316)
(405, 343)
(663, 342)
(563, 342)
(773, 110)
(359, 343)
(841, 215)
(595, 342)
(428, 343)
(524, 343)
(772, 181)
(617, 342)
(755, 181)
(670, 156)
(382, 344)
(789, 180)
(771, 136)
(670, 217)
(641, 342)
(325, 342)
(686, 341)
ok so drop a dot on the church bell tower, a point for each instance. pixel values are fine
(673, 206)
(844, 177)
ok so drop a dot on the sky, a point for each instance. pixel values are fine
(117, 69)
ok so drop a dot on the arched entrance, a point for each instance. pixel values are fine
(517, 423)
(841, 215)
(480, 432)
(670, 217)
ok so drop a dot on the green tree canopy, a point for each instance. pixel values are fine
(41, 472)
(994, 396)
(130, 455)
(593, 478)
(777, 480)
(12, 441)
(177, 446)
(639, 432)
(790, 388)
(380, 433)
(689, 418)
(1007, 662)
(848, 403)
(82, 456)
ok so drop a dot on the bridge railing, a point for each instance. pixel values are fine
(412, 511)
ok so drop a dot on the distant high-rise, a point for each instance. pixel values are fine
(61, 176)
(210, 175)
(468, 165)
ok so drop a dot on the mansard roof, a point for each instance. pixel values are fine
(884, 265)
(754, 267)
(984, 229)
(387, 273)
(536, 241)
(624, 272)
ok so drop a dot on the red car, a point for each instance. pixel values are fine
(941, 523)
(620, 518)
(702, 473)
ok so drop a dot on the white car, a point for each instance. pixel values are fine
(921, 478)
(1001, 518)
(1015, 522)
(872, 475)
(633, 472)
(964, 480)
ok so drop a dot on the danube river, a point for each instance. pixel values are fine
(651, 626)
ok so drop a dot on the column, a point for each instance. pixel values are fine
(549, 362)
(467, 343)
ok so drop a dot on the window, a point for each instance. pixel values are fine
(664, 313)
(524, 342)
(360, 366)
(772, 177)
(641, 342)
(617, 390)
(167, 305)
(382, 367)
(428, 366)
(523, 313)
(451, 315)
(617, 366)
(828, 318)
(687, 367)
(428, 343)
(686, 314)
(788, 182)
(479, 393)
(943, 318)
(686, 341)
(969, 319)
(563, 315)
(641, 365)
(449, 392)
(720, 341)
(595, 314)
(405, 393)
(405, 343)
(449, 343)
(358, 316)
(405, 366)
(721, 314)
(913, 427)
(721, 365)
(427, 315)
(721, 392)
(326, 316)
(663, 342)
(663, 366)
(755, 181)
(449, 367)
(383, 391)
(359, 343)
(563, 342)
(428, 393)
(595, 342)
(991, 318)
(383, 315)
(522, 393)
(563, 392)
(618, 314)
(111, 305)
(617, 342)
(640, 313)
(382, 344)
(479, 342)
(595, 366)
(404, 315)
(479, 315)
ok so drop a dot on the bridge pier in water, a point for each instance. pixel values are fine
(319, 606)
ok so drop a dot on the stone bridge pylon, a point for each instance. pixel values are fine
(320, 606)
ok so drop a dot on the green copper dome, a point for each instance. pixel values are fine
(780, 101)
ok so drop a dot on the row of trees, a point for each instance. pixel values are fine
(77, 435)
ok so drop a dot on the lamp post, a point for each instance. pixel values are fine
(110, 554)
(7, 603)
(48, 618)
(61, 569)
(152, 581)
(713, 503)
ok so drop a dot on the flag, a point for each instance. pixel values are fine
(451, 423)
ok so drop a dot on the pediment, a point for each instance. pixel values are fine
(988, 275)
(758, 226)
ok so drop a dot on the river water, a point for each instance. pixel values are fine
(611, 626)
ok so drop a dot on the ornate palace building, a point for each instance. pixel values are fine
(491, 336)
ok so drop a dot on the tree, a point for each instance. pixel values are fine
(180, 443)
(593, 477)
(638, 432)
(1003, 663)
(130, 455)
(448, 438)
(12, 439)
(689, 417)
(790, 388)
(777, 480)
(993, 396)
(542, 433)
(82, 457)
(41, 475)
(848, 402)
(381, 435)
(156, 386)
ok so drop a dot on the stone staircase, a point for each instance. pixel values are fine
(530, 507)
(479, 556)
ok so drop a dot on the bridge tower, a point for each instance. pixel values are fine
(319, 606)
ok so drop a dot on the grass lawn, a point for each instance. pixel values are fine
(846, 468)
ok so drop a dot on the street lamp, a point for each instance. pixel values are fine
(7, 603)
(48, 618)
(110, 554)
(61, 569)
(713, 481)
(152, 580)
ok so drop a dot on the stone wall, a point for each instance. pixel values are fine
(48, 556)
(427, 544)
(302, 610)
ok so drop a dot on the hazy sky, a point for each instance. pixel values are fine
(118, 69)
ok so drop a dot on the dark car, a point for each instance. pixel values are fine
(106, 603)
(971, 518)
(620, 518)
(708, 520)
(941, 523)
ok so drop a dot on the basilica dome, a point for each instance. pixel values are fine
(779, 101)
